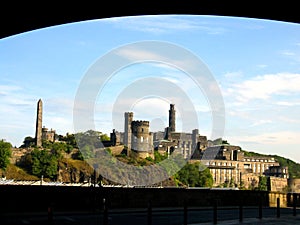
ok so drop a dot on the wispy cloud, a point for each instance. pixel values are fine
(260, 122)
(233, 75)
(288, 53)
(166, 24)
(270, 138)
(287, 103)
(262, 66)
(289, 120)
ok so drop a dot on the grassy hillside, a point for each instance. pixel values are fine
(294, 168)
(17, 173)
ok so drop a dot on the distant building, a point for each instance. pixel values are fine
(115, 139)
(48, 135)
(277, 171)
(228, 164)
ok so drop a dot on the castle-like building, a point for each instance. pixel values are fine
(137, 138)
(227, 163)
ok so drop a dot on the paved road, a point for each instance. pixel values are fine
(166, 216)
(283, 220)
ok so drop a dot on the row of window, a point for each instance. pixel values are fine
(258, 160)
(142, 139)
(223, 164)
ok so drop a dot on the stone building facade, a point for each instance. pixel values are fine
(48, 135)
(187, 144)
(142, 139)
(228, 164)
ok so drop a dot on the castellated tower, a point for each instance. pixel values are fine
(172, 118)
(39, 121)
(127, 131)
(142, 139)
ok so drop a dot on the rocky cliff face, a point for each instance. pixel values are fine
(74, 171)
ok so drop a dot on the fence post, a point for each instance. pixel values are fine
(260, 208)
(185, 213)
(215, 212)
(278, 207)
(50, 214)
(294, 204)
(149, 215)
(105, 213)
(241, 212)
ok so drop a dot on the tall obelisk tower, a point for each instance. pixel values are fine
(38, 128)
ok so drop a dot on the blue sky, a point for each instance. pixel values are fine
(255, 62)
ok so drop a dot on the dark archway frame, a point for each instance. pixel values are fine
(16, 18)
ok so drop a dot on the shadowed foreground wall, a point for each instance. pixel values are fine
(38, 198)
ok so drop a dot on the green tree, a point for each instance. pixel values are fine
(104, 137)
(263, 183)
(5, 154)
(28, 142)
(47, 144)
(159, 157)
(69, 139)
(195, 175)
(44, 163)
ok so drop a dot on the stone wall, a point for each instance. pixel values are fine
(294, 185)
(143, 155)
(18, 153)
(116, 150)
(282, 198)
(277, 184)
(25, 198)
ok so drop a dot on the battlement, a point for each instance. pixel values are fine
(139, 123)
(46, 130)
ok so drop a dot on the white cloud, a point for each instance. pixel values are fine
(7, 89)
(233, 75)
(137, 54)
(270, 138)
(287, 103)
(289, 120)
(260, 122)
(288, 53)
(263, 87)
(60, 123)
(262, 66)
